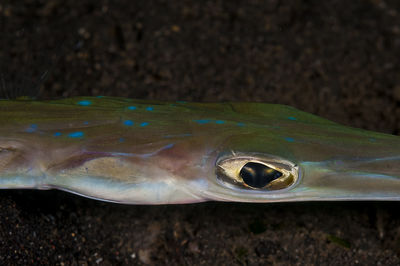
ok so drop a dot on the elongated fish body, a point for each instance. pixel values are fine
(142, 152)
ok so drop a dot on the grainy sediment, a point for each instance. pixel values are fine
(336, 59)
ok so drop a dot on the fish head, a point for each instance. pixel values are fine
(286, 156)
(247, 153)
(302, 157)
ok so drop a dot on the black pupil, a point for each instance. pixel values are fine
(257, 175)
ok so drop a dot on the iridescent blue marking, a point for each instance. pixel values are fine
(85, 103)
(131, 107)
(219, 122)
(168, 146)
(31, 128)
(121, 139)
(100, 96)
(202, 121)
(289, 139)
(128, 123)
(292, 118)
(77, 134)
(149, 108)
(372, 139)
(144, 124)
(86, 123)
(57, 134)
(240, 124)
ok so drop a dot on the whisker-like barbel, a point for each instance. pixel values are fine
(143, 152)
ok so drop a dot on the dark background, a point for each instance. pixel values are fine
(336, 59)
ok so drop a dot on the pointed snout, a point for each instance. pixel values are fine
(351, 179)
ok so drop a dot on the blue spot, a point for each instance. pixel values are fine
(181, 102)
(32, 128)
(289, 139)
(219, 122)
(128, 123)
(372, 139)
(292, 118)
(121, 139)
(77, 134)
(168, 146)
(149, 108)
(99, 96)
(202, 121)
(144, 124)
(85, 103)
(240, 124)
(57, 134)
(131, 107)
(86, 123)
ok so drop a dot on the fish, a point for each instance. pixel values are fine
(151, 152)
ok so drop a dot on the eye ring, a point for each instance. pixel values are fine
(256, 172)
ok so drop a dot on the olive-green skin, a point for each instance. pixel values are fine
(146, 152)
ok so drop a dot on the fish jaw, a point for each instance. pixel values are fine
(352, 179)
(360, 165)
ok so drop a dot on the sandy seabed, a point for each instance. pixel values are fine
(336, 59)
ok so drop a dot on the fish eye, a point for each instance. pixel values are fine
(257, 175)
(256, 171)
